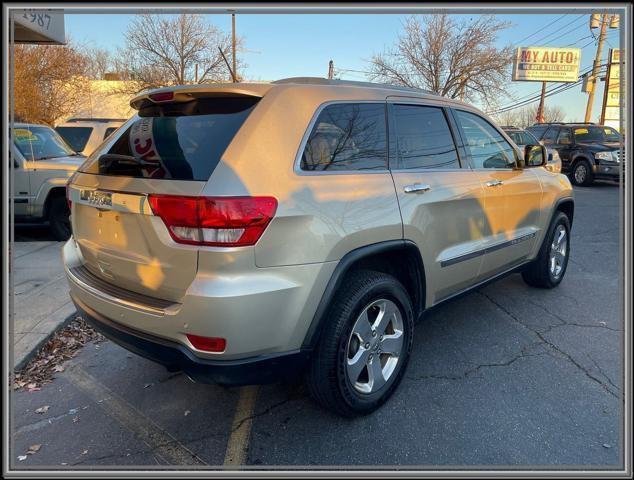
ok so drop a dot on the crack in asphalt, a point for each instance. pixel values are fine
(563, 322)
(550, 344)
(601, 371)
(152, 449)
(471, 371)
(263, 412)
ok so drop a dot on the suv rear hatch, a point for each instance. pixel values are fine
(170, 149)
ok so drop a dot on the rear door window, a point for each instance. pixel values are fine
(179, 141)
(423, 138)
(76, 137)
(347, 136)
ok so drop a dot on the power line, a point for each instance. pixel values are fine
(543, 28)
(535, 96)
(554, 91)
(557, 31)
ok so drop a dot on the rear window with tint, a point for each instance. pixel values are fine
(180, 141)
(76, 137)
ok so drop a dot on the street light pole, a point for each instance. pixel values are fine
(595, 68)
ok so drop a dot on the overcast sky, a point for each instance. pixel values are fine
(285, 45)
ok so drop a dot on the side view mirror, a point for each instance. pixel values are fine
(535, 156)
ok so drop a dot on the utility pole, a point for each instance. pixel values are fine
(331, 68)
(196, 73)
(592, 81)
(540, 110)
(233, 45)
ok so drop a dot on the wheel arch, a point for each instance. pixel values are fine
(567, 206)
(579, 156)
(400, 258)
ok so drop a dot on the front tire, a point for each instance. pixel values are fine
(365, 345)
(549, 268)
(59, 219)
(582, 174)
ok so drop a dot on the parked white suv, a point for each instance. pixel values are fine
(86, 134)
(42, 164)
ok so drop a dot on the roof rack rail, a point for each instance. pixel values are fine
(509, 126)
(352, 83)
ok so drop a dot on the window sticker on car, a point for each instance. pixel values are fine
(143, 147)
(580, 131)
(23, 135)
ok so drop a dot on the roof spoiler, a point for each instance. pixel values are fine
(188, 93)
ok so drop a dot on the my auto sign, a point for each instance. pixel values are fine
(546, 64)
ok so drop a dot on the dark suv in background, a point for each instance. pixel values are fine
(588, 151)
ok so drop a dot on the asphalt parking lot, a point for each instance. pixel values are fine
(507, 375)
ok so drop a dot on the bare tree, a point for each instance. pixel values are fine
(99, 62)
(456, 60)
(525, 116)
(49, 81)
(162, 50)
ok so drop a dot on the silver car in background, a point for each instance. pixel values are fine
(523, 137)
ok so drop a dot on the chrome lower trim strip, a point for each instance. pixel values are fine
(88, 282)
(515, 266)
(484, 251)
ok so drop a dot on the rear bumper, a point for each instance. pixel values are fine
(174, 356)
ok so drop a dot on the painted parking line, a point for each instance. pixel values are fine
(238, 443)
(161, 442)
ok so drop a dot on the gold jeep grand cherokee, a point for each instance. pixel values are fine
(244, 233)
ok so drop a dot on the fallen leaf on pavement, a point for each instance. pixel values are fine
(84, 452)
(62, 346)
(148, 385)
(187, 412)
(34, 449)
(43, 409)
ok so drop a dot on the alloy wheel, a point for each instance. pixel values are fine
(558, 252)
(374, 346)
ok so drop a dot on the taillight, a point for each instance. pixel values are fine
(214, 221)
(208, 344)
(161, 96)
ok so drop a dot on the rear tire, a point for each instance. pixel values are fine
(59, 218)
(365, 345)
(549, 268)
(581, 174)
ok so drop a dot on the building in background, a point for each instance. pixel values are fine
(104, 100)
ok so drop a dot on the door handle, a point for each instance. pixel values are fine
(416, 188)
(494, 183)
